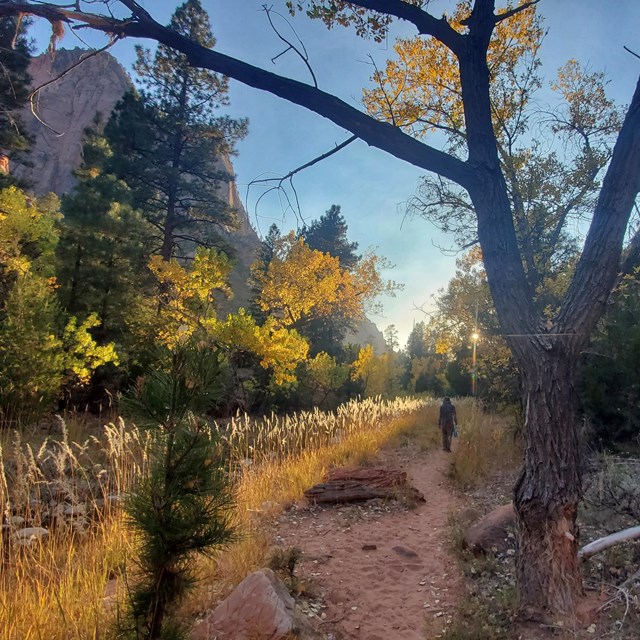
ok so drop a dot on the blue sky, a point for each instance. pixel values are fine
(372, 187)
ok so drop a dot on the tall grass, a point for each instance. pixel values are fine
(486, 443)
(55, 587)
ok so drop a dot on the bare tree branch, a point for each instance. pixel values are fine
(507, 14)
(306, 165)
(633, 53)
(290, 47)
(37, 90)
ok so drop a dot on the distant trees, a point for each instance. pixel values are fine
(15, 55)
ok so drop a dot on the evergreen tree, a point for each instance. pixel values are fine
(264, 255)
(391, 337)
(168, 143)
(416, 343)
(104, 248)
(15, 54)
(183, 506)
(329, 235)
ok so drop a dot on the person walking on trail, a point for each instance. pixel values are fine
(447, 422)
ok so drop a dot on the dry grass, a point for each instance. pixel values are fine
(55, 588)
(486, 444)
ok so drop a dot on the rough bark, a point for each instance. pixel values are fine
(547, 492)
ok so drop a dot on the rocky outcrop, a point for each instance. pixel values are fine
(367, 333)
(63, 109)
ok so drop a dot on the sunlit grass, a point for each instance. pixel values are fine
(56, 588)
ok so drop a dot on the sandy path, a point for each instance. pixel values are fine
(404, 589)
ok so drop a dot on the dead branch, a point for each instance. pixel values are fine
(303, 55)
(633, 53)
(597, 546)
(306, 165)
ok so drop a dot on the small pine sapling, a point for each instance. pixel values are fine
(182, 507)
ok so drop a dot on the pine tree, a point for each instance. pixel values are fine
(168, 143)
(329, 235)
(104, 248)
(15, 54)
(183, 506)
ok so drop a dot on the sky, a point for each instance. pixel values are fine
(371, 187)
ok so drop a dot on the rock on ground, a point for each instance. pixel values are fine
(490, 534)
(260, 608)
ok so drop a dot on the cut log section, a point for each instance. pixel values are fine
(357, 485)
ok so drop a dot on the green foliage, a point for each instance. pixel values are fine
(183, 506)
(168, 144)
(329, 235)
(322, 380)
(103, 251)
(41, 347)
(31, 354)
(187, 378)
(15, 55)
(611, 378)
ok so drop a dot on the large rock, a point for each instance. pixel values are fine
(64, 109)
(260, 608)
(490, 534)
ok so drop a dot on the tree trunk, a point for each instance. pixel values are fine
(547, 492)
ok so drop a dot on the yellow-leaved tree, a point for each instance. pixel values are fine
(41, 347)
(188, 309)
(301, 284)
(379, 374)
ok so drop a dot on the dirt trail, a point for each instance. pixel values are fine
(405, 588)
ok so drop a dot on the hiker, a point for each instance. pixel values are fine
(447, 422)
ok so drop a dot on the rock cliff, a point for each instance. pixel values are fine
(63, 109)
(68, 103)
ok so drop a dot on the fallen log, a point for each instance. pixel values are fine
(357, 485)
(335, 491)
(591, 549)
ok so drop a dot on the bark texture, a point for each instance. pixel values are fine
(547, 492)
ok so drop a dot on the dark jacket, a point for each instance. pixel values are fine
(447, 414)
